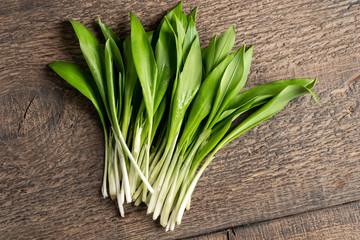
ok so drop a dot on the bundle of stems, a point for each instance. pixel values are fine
(167, 106)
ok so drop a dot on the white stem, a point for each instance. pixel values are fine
(160, 179)
(121, 207)
(191, 189)
(122, 193)
(116, 168)
(104, 185)
(166, 185)
(124, 174)
(119, 138)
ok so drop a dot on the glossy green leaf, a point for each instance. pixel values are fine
(228, 84)
(275, 105)
(231, 86)
(110, 82)
(108, 33)
(93, 54)
(165, 53)
(224, 44)
(208, 56)
(190, 35)
(82, 81)
(145, 63)
(186, 88)
(204, 99)
(193, 14)
(268, 89)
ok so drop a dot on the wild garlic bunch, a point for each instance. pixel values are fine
(166, 106)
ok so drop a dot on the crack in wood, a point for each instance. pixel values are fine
(26, 110)
(231, 234)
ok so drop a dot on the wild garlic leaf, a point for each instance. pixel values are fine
(254, 101)
(228, 84)
(208, 56)
(218, 49)
(108, 33)
(219, 131)
(93, 54)
(179, 14)
(145, 63)
(117, 56)
(234, 86)
(180, 36)
(216, 135)
(110, 83)
(187, 86)
(190, 35)
(224, 44)
(268, 89)
(82, 81)
(158, 116)
(193, 14)
(165, 53)
(204, 99)
(130, 91)
(275, 105)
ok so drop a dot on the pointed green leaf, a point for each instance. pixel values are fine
(268, 89)
(145, 63)
(208, 56)
(186, 88)
(190, 35)
(82, 81)
(193, 14)
(93, 55)
(275, 105)
(108, 33)
(202, 104)
(165, 53)
(224, 44)
(110, 82)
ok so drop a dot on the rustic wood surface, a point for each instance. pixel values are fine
(274, 178)
(341, 222)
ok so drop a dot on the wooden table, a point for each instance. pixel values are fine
(295, 176)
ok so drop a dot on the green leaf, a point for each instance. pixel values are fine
(93, 55)
(216, 135)
(110, 83)
(224, 44)
(275, 105)
(180, 36)
(268, 89)
(193, 14)
(190, 35)
(233, 81)
(229, 83)
(117, 56)
(204, 99)
(208, 56)
(179, 14)
(218, 49)
(82, 81)
(165, 53)
(129, 85)
(108, 33)
(186, 88)
(145, 63)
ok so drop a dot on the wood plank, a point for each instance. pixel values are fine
(340, 222)
(51, 144)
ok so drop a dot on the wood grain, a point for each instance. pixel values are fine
(340, 222)
(51, 143)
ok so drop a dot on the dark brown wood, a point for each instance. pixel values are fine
(51, 143)
(340, 222)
